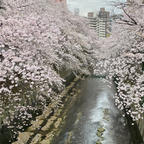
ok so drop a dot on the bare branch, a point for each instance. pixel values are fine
(132, 19)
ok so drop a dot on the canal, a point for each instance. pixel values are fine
(94, 119)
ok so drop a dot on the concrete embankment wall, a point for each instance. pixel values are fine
(136, 129)
(140, 124)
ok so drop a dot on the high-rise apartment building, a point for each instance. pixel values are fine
(92, 20)
(100, 22)
(104, 23)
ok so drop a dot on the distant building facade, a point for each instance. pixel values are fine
(76, 11)
(62, 1)
(100, 22)
(104, 23)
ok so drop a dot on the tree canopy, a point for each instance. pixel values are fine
(124, 58)
(39, 40)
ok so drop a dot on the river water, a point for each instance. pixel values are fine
(95, 119)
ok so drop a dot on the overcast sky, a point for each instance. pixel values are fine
(90, 5)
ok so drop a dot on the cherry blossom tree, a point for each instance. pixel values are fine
(123, 58)
(38, 41)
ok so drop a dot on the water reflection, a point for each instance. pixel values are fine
(95, 119)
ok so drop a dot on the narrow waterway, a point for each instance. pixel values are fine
(95, 119)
